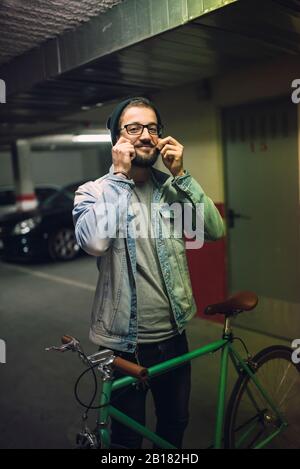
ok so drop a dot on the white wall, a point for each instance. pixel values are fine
(61, 167)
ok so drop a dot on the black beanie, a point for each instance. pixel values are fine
(113, 121)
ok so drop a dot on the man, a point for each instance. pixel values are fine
(143, 299)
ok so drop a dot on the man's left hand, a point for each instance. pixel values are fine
(172, 155)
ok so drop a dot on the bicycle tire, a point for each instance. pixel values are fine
(246, 400)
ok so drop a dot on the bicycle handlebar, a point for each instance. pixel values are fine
(131, 369)
(66, 339)
(105, 358)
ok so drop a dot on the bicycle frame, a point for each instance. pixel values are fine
(227, 352)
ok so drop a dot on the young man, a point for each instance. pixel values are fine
(144, 298)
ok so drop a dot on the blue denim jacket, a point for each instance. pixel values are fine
(114, 314)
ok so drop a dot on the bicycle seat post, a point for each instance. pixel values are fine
(227, 331)
(236, 304)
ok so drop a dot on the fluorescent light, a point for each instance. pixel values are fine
(91, 138)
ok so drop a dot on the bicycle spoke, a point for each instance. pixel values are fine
(279, 428)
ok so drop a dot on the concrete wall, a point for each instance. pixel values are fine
(61, 167)
(262, 82)
(56, 167)
(194, 122)
(6, 173)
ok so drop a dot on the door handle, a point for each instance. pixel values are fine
(232, 215)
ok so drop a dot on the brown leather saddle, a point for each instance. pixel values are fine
(241, 301)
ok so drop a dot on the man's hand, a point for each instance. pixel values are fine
(122, 154)
(172, 155)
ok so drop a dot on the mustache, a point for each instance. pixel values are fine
(145, 145)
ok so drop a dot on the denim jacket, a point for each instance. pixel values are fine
(114, 314)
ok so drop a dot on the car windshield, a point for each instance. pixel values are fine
(63, 197)
(8, 196)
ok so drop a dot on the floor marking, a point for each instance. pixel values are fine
(53, 278)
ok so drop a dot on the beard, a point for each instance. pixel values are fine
(145, 161)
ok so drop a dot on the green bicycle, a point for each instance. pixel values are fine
(263, 410)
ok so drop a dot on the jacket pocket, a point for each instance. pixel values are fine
(182, 268)
(100, 295)
(114, 315)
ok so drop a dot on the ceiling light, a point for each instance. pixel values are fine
(91, 138)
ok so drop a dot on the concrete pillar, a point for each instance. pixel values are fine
(2, 92)
(25, 195)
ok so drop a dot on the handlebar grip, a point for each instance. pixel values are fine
(66, 339)
(131, 369)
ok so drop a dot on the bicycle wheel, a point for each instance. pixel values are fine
(249, 418)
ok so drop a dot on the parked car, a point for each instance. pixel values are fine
(8, 196)
(46, 231)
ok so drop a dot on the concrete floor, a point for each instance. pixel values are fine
(38, 304)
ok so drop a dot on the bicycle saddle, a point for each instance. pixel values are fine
(241, 301)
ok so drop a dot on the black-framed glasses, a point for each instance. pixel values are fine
(138, 129)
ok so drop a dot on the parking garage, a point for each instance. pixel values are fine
(221, 75)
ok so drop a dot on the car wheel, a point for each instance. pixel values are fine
(63, 245)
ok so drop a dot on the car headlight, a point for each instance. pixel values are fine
(26, 226)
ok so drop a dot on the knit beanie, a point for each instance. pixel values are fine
(113, 121)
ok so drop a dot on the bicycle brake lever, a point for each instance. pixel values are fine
(62, 348)
(69, 343)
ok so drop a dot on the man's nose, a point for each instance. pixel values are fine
(145, 135)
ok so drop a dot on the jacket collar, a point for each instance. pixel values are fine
(159, 177)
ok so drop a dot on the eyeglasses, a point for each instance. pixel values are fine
(138, 129)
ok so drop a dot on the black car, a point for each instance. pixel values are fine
(8, 198)
(46, 231)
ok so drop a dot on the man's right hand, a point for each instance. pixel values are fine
(122, 154)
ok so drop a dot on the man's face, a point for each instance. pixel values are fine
(144, 144)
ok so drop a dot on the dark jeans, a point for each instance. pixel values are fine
(171, 393)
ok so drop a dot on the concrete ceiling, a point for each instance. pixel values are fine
(139, 47)
(27, 24)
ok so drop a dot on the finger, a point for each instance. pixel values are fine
(166, 140)
(171, 156)
(173, 141)
(123, 140)
(169, 147)
(132, 153)
(124, 146)
(168, 156)
(161, 143)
